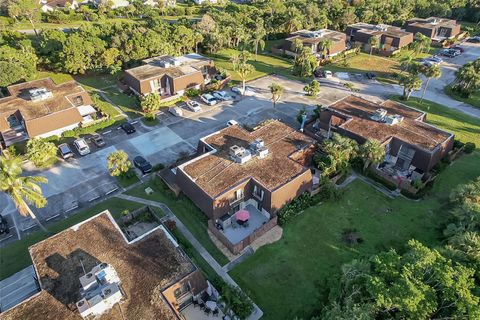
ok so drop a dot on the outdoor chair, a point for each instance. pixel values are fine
(215, 312)
(202, 305)
(207, 311)
(195, 302)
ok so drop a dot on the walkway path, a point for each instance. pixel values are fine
(257, 313)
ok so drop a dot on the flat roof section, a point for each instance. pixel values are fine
(217, 172)
(358, 112)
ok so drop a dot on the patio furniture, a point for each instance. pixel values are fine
(215, 312)
(201, 305)
(195, 302)
(207, 311)
(242, 216)
(205, 296)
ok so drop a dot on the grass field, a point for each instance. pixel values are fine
(384, 68)
(264, 65)
(15, 256)
(185, 210)
(288, 278)
(473, 100)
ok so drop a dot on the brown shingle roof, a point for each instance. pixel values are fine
(46, 115)
(332, 35)
(432, 22)
(372, 29)
(216, 172)
(145, 268)
(411, 130)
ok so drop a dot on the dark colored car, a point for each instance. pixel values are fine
(97, 140)
(142, 164)
(65, 151)
(128, 128)
(4, 225)
(457, 47)
(370, 75)
(475, 39)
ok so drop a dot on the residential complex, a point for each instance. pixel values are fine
(315, 39)
(438, 29)
(258, 171)
(51, 5)
(411, 144)
(390, 38)
(91, 269)
(41, 108)
(170, 76)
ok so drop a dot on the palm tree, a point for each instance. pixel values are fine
(276, 90)
(374, 42)
(23, 190)
(118, 163)
(325, 45)
(242, 67)
(467, 78)
(410, 83)
(432, 71)
(372, 152)
(258, 37)
(297, 44)
(421, 44)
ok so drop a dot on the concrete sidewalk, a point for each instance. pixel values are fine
(17, 288)
(257, 313)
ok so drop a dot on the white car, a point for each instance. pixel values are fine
(208, 99)
(193, 106)
(222, 95)
(232, 123)
(176, 111)
(81, 146)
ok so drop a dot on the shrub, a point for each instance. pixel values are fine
(42, 153)
(389, 184)
(192, 92)
(457, 144)
(158, 167)
(236, 300)
(89, 129)
(439, 167)
(469, 147)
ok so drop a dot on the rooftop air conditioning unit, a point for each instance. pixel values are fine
(379, 115)
(235, 150)
(39, 94)
(175, 62)
(258, 148)
(381, 27)
(165, 64)
(394, 119)
(240, 154)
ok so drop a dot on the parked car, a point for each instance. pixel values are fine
(194, 106)
(450, 53)
(97, 140)
(319, 73)
(65, 151)
(4, 225)
(457, 47)
(435, 59)
(475, 39)
(128, 128)
(249, 91)
(232, 123)
(370, 75)
(176, 111)
(222, 95)
(142, 164)
(208, 99)
(81, 146)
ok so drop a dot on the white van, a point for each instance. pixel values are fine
(81, 146)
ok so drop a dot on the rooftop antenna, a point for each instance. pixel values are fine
(83, 268)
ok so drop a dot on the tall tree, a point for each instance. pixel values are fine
(118, 163)
(373, 42)
(421, 44)
(150, 104)
(276, 90)
(28, 9)
(410, 83)
(430, 72)
(258, 37)
(23, 190)
(371, 152)
(325, 45)
(305, 62)
(467, 78)
(242, 67)
(41, 152)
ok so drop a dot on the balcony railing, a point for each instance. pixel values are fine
(237, 200)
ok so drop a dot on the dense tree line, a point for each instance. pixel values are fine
(111, 46)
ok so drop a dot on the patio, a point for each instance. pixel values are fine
(237, 233)
(196, 313)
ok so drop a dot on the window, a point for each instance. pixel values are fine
(238, 194)
(258, 193)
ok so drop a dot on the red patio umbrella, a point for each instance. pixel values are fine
(242, 215)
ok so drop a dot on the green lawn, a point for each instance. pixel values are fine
(57, 77)
(264, 65)
(128, 104)
(185, 210)
(125, 181)
(289, 278)
(384, 68)
(465, 127)
(15, 256)
(473, 100)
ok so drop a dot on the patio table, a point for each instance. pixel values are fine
(212, 305)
